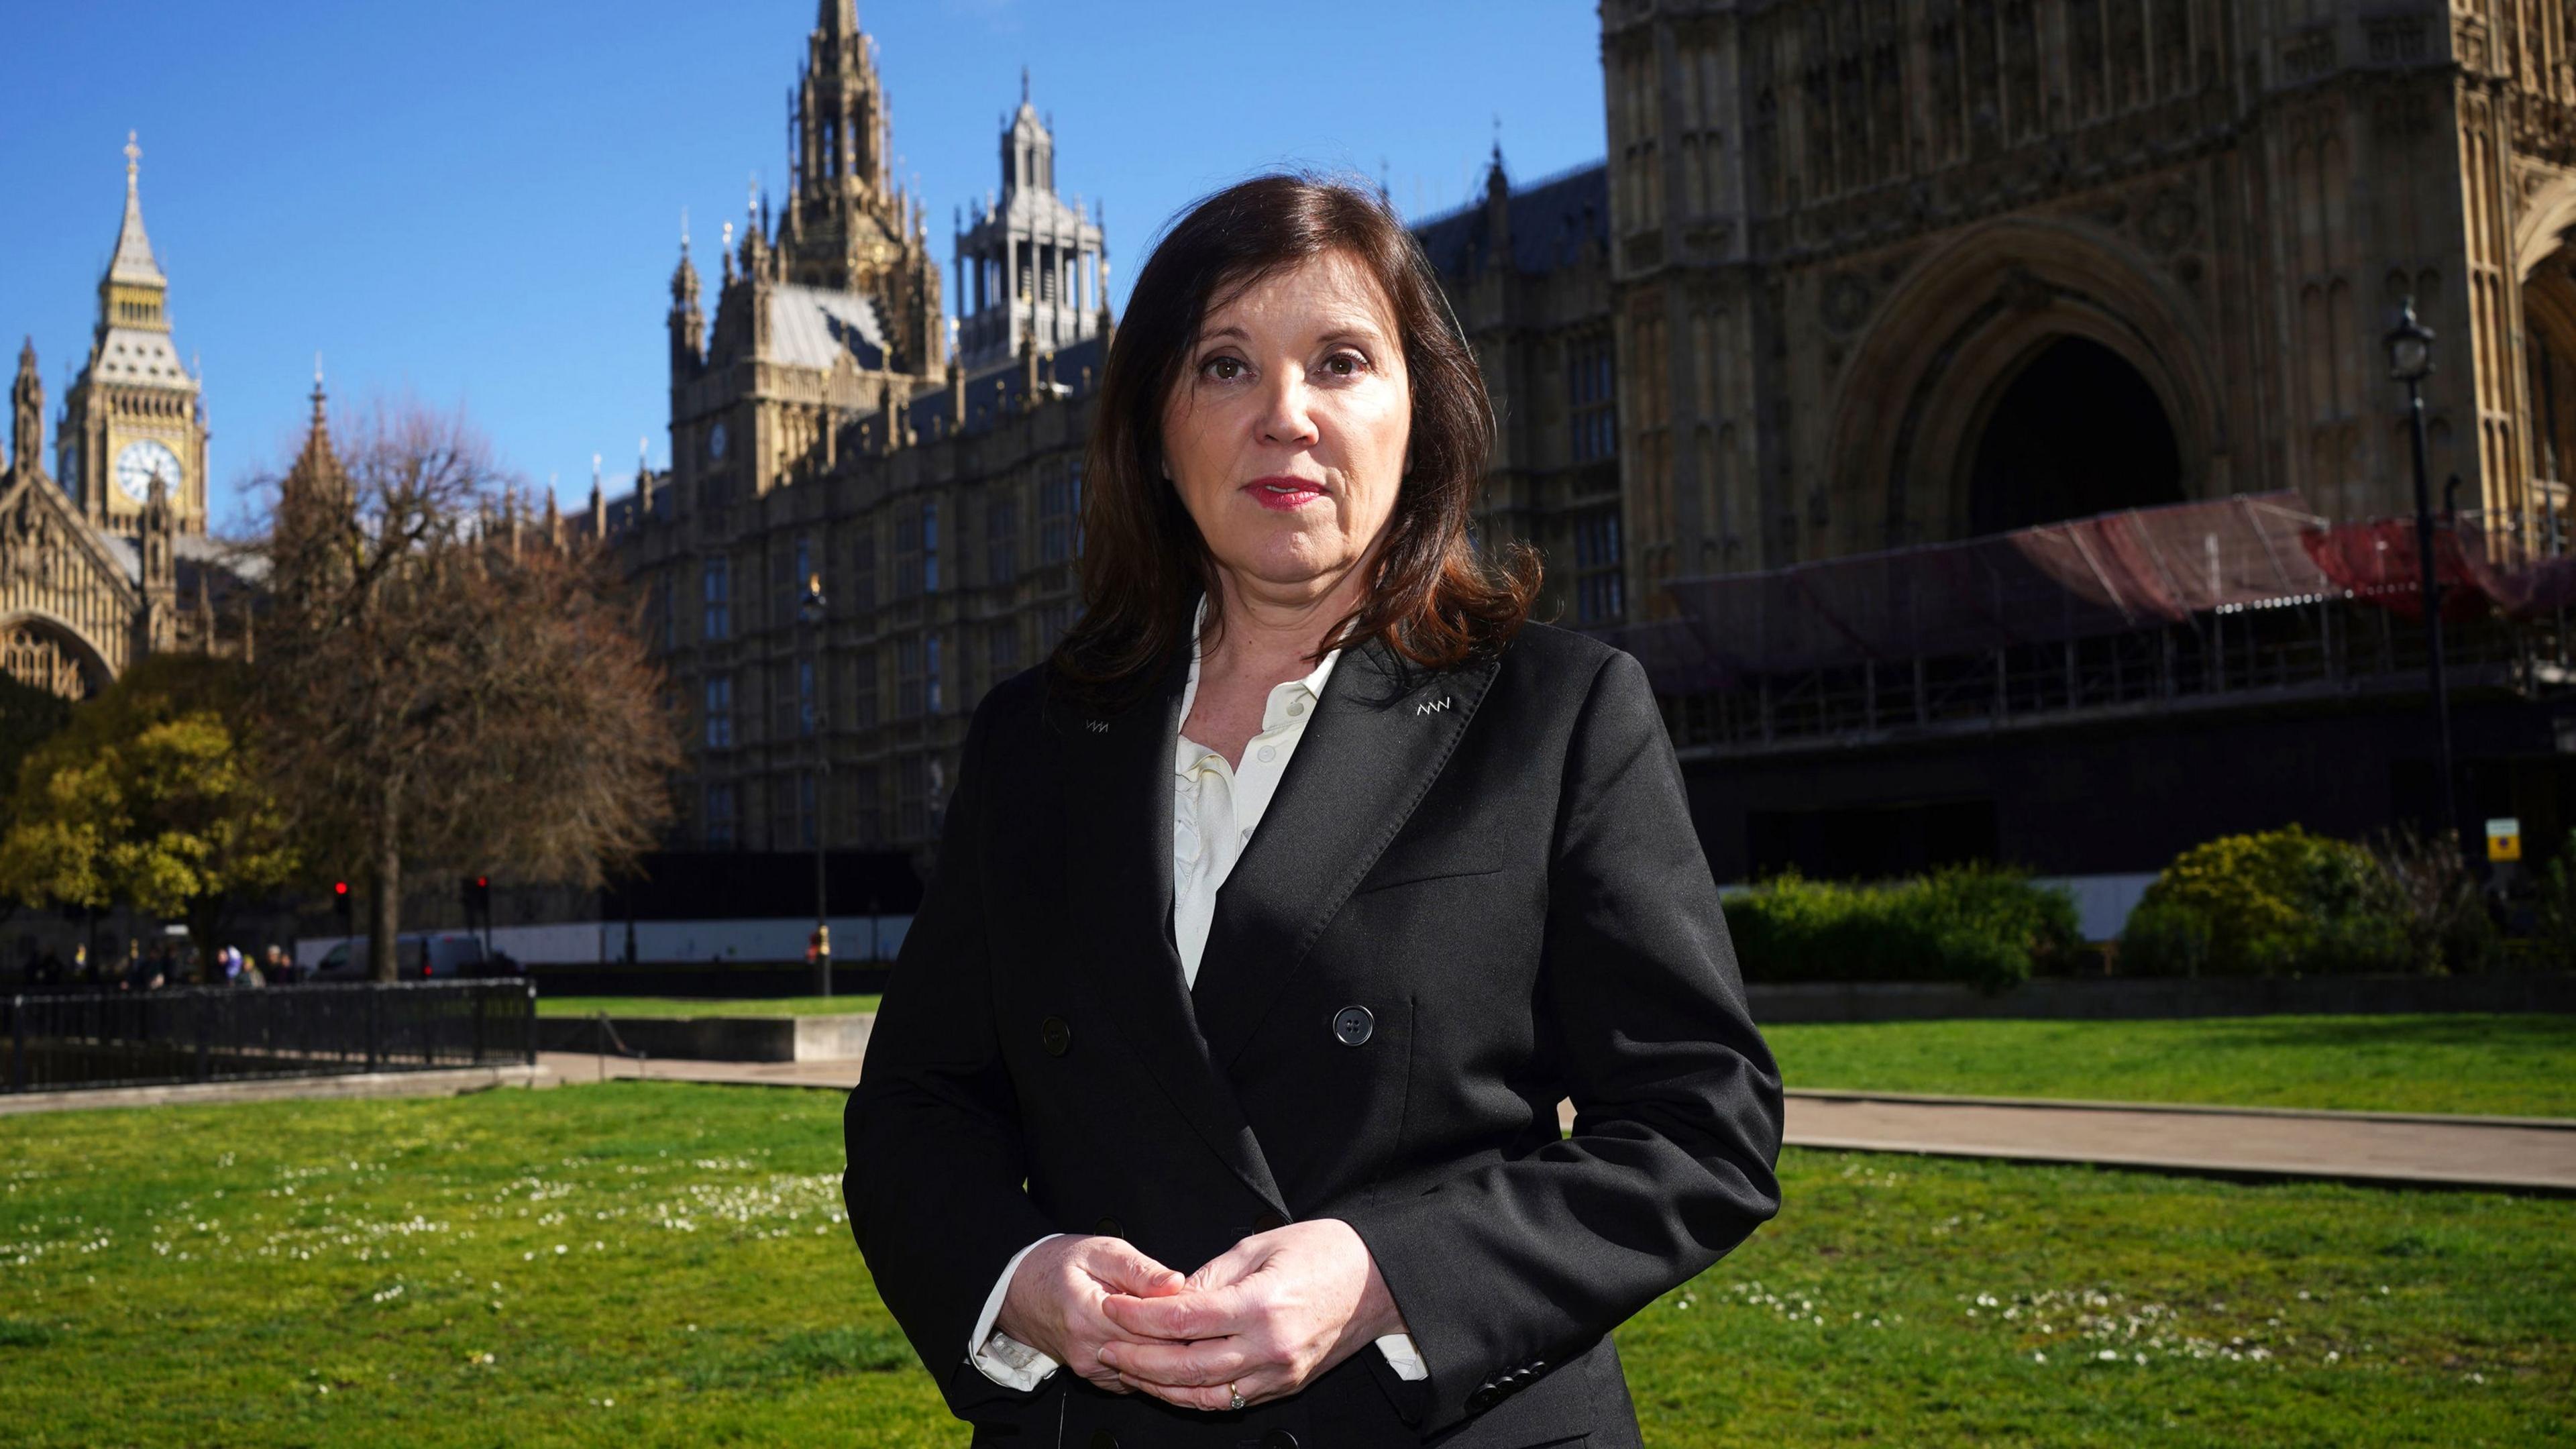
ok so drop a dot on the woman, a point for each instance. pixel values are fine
(1136, 1160)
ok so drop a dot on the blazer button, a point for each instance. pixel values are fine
(1352, 1025)
(1268, 1223)
(1108, 1228)
(1055, 1036)
(1278, 1439)
(1103, 1439)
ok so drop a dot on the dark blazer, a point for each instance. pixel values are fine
(1477, 892)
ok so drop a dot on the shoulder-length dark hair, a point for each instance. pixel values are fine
(1435, 600)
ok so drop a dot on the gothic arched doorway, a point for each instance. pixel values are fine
(2077, 431)
(41, 653)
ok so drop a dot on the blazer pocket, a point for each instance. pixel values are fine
(1389, 875)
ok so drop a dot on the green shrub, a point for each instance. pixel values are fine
(2277, 903)
(2163, 938)
(2553, 936)
(1976, 924)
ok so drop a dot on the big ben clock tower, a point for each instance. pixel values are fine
(135, 415)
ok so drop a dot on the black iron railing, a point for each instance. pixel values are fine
(61, 1041)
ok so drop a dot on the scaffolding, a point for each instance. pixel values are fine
(2219, 604)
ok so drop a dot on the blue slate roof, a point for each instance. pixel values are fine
(1552, 221)
(999, 391)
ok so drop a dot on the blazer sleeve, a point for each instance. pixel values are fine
(1504, 1271)
(936, 1165)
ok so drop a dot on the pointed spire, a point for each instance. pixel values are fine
(316, 465)
(1024, 85)
(133, 261)
(839, 19)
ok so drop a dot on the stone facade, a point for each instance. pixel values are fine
(1527, 273)
(1900, 271)
(108, 559)
(824, 438)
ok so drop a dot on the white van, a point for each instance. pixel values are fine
(420, 956)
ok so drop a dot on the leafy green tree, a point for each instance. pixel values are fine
(28, 717)
(154, 795)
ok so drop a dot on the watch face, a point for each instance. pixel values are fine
(141, 462)
(716, 441)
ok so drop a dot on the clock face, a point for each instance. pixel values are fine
(716, 441)
(141, 462)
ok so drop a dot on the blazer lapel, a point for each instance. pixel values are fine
(1379, 738)
(1117, 832)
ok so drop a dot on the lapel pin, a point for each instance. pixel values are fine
(1432, 706)
(1096, 726)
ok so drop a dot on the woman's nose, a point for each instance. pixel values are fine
(1285, 417)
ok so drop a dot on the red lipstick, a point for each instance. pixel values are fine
(1281, 493)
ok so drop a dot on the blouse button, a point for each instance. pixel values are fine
(1268, 754)
(1296, 706)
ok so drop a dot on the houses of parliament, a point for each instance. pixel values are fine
(1844, 262)
(1855, 277)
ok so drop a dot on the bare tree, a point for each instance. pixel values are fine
(446, 690)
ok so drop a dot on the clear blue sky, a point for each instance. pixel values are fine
(478, 203)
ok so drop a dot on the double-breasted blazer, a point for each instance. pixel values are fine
(1477, 892)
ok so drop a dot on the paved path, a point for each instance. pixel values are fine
(2529, 1154)
(2524, 1154)
(574, 1068)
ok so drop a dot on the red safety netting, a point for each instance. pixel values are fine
(2106, 575)
(2377, 562)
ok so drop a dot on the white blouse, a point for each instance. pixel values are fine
(1216, 806)
(1215, 809)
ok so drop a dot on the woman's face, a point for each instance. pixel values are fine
(1286, 432)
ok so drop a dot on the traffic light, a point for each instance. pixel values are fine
(340, 903)
(478, 898)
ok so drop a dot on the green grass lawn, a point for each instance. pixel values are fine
(659, 1264)
(2510, 1065)
(683, 1006)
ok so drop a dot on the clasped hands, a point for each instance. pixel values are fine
(1263, 1319)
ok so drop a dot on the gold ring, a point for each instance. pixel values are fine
(1234, 1397)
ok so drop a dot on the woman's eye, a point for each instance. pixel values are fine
(1345, 364)
(1223, 369)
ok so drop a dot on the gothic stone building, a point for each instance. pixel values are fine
(1890, 273)
(107, 558)
(824, 429)
(1898, 271)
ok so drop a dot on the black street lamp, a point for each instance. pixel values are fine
(2410, 359)
(809, 611)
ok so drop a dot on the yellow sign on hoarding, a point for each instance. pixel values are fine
(2504, 839)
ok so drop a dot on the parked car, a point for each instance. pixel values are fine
(419, 956)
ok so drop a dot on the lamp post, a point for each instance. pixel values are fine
(809, 611)
(2410, 359)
